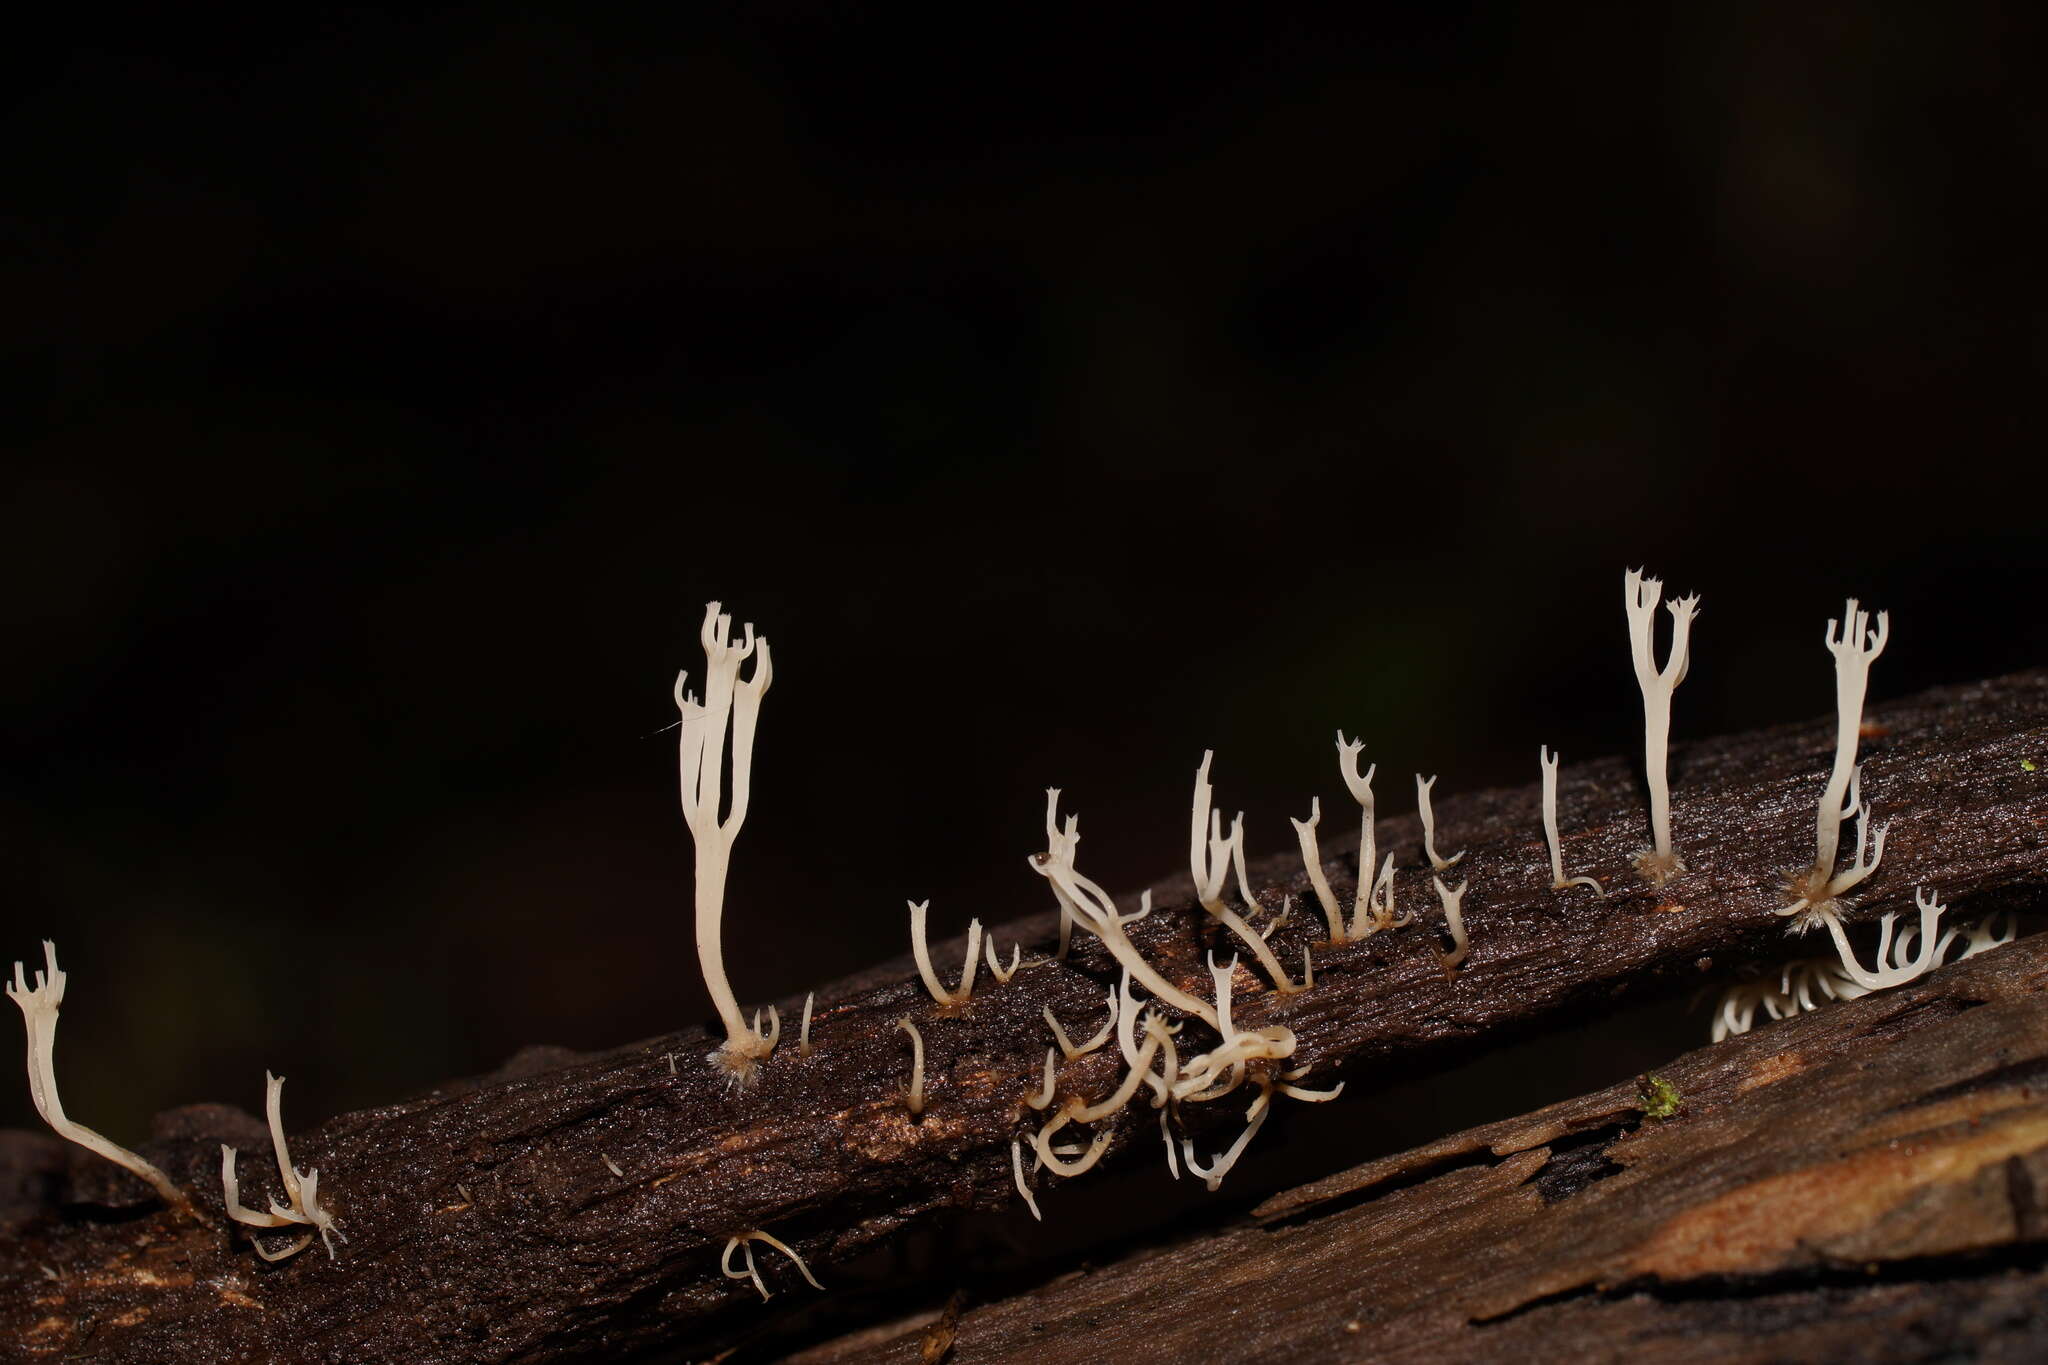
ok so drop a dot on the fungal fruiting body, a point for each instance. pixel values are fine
(1660, 862)
(1558, 881)
(1372, 910)
(1372, 901)
(1810, 983)
(1816, 891)
(1240, 1056)
(1453, 900)
(1428, 814)
(744, 1243)
(921, 950)
(302, 1188)
(1211, 859)
(39, 1006)
(731, 701)
(915, 1095)
(1312, 860)
(1070, 1049)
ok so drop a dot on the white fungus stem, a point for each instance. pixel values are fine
(1017, 1172)
(996, 968)
(1092, 906)
(1044, 1096)
(1312, 860)
(39, 1005)
(1428, 814)
(1365, 918)
(921, 950)
(915, 1095)
(302, 1188)
(1558, 881)
(728, 701)
(1068, 1048)
(1660, 862)
(1453, 899)
(803, 1040)
(1211, 857)
(744, 1242)
(1817, 890)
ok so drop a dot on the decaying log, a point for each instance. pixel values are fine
(1861, 1183)
(485, 1221)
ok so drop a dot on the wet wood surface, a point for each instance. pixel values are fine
(486, 1223)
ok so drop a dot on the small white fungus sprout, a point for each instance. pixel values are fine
(744, 1243)
(922, 951)
(915, 1095)
(1660, 862)
(803, 1038)
(1558, 881)
(1422, 806)
(1453, 899)
(1044, 1096)
(996, 968)
(302, 1188)
(1211, 858)
(39, 1005)
(1817, 890)
(728, 700)
(1017, 1173)
(1068, 1048)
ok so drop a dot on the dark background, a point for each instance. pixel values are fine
(1063, 396)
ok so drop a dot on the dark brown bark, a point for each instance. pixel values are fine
(1862, 1183)
(485, 1223)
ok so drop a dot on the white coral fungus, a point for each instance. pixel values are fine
(1817, 891)
(731, 701)
(302, 1188)
(744, 1242)
(1558, 881)
(39, 1005)
(1660, 862)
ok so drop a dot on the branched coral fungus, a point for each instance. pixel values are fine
(1812, 982)
(1817, 890)
(302, 1188)
(1660, 862)
(731, 701)
(39, 1005)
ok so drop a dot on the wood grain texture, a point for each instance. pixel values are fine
(485, 1224)
(1864, 1182)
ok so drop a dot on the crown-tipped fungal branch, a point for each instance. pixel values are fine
(1817, 890)
(1372, 905)
(728, 700)
(39, 1006)
(1660, 862)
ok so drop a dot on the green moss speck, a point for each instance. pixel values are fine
(1660, 1097)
